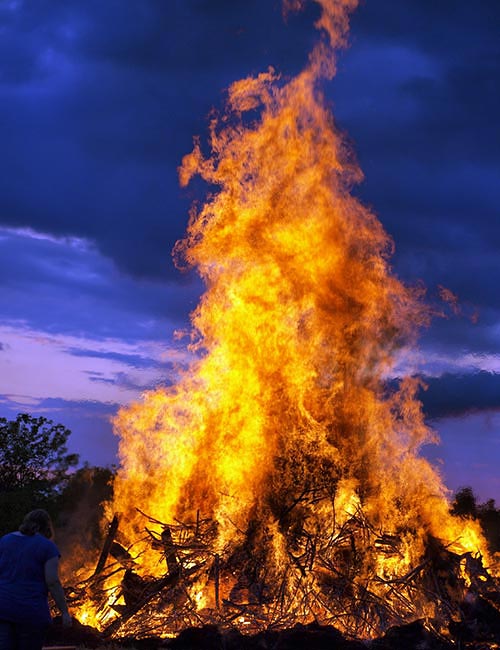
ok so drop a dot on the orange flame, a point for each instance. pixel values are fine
(284, 418)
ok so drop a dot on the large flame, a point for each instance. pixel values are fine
(283, 427)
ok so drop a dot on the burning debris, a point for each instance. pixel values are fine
(281, 479)
(321, 585)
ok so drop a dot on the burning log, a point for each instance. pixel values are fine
(138, 593)
(113, 528)
(170, 553)
(121, 554)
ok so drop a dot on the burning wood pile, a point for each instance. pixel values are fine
(320, 583)
(281, 475)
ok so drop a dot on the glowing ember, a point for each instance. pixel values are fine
(294, 473)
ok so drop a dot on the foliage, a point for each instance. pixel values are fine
(465, 505)
(34, 466)
(81, 509)
(88, 486)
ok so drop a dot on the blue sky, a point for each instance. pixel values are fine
(99, 101)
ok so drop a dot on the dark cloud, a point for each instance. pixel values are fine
(438, 28)
(457, 395)
(65, 286)
(418, 97)
(126, 381)
(133, 360)
(102, 380)
(99, 101)
(112, 95)
(136, 361)
(454, 336)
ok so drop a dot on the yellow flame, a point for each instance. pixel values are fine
(283, 425)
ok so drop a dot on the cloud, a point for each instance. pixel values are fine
(99, 104)
(139, 385)
(459, 337)
(418, 98)
(134, 360)
(38, 365)
(424, 24)
(64, 285)
(457, 395)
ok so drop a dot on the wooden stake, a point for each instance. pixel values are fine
(216, 579)
(170, 552)
(113, 528)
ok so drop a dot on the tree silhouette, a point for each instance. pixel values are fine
(34, 466)
(465, 504)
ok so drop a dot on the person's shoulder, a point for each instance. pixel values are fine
(45, 541)
(47, 544)
(9, 541)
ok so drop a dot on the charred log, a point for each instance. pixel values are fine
(113, 528)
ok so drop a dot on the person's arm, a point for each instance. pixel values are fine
(54, 586)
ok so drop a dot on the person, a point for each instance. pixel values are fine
(29, 570)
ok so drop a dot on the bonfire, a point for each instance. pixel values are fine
(280, 480)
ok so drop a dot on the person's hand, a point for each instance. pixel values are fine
(67, 621)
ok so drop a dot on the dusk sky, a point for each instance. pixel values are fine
(99, 102)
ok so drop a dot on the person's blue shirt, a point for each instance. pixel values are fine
(23, 592)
